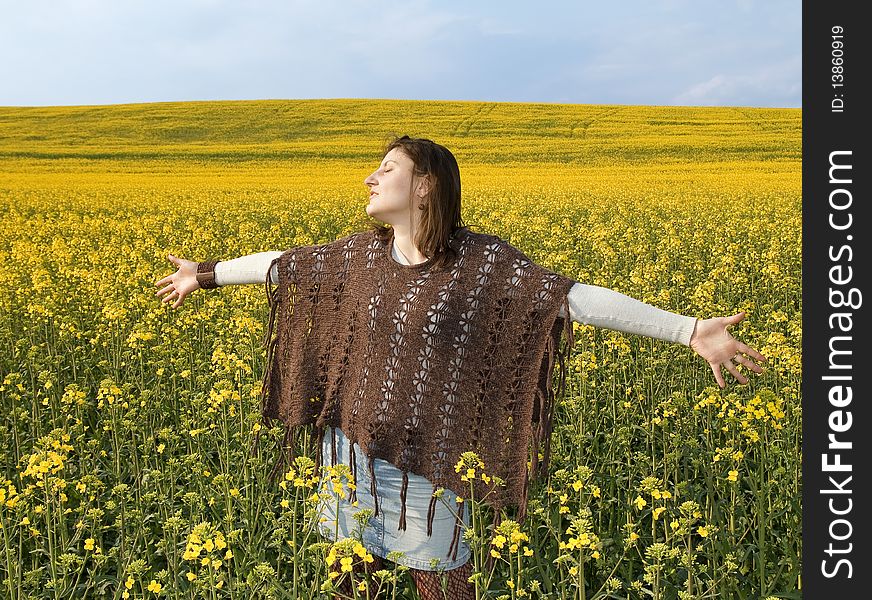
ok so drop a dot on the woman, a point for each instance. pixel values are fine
(416, 190)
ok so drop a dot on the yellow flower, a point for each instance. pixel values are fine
(495, 553)
(640, 502)
(518, 536)
(703, 531)
(154, 586)
(191, 576)
(129, 583)
(657, 511)
(499, 541)
(346, 564)
(733, 476)
(89, 543)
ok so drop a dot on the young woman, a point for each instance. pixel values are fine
(416, 190)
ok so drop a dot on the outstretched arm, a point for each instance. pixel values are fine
(602, 307)
(250, 268)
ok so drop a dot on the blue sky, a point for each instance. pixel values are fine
(691, 53)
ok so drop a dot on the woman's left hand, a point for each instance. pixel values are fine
(712, 341)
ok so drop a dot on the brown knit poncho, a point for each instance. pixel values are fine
(418, 365)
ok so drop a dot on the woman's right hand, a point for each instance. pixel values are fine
(179, 284)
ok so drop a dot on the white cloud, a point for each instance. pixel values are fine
(781, 84)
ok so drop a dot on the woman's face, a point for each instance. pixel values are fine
(393, 188)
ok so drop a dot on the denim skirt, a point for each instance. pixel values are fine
(382, 534)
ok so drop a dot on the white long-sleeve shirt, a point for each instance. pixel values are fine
(588, 304)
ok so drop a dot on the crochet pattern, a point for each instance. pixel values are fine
(416, 364)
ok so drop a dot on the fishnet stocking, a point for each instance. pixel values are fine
(428, 583)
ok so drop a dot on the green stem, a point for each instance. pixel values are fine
(8, 554)
(48, 536)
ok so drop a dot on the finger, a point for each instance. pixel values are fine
(749, 350)
(179, 302)
(166, 279)
(164, 290)
(169, 296)
(718, 377)
(748, 363)
(732, 320)
(732, 369)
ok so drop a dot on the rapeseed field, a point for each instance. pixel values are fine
(126, 424)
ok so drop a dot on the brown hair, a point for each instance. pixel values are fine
(441, 216)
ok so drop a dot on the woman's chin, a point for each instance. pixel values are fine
(372, 211)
